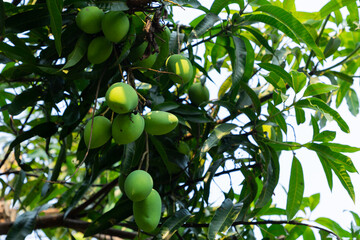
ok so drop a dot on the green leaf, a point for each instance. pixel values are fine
(172, 224)
(325, 136)
(332, 46)
(298, 80)
(336, 157)
(296, 189)
(286, 146)
(277, 116)
(209, 177)
(295, 25)
(2, 18)
(352, 101)
(342, 92)
(318, 88)
(215, 136)
(204, 25)
(24, 224)
(224, 87)
(332, 6)
(121, 211)
(238, 60)
(356, 218)
(333, 226)
(249, 60)
(300, 115)
(259, 36)
(18, 186)
(314, 201)
(272, 22)
(218, 5)
(27, 98)
(289, 5)
(17, 53)
(55, 9)
(79, 51)
(253, 96)
(277, 70)
(327, 170)
(219, 51)
(336, 147)
(317, 104)
(193, 3)
(224, 217)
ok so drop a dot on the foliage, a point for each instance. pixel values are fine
(276, 59)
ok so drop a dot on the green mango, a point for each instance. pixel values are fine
(121, 98)
(99, 50)
(126, 128)
(138, 185)
(198, 93)
(182, 68)
(159, 122)
(115, 26)
(89, 19)
(147, 213)
(101, 132)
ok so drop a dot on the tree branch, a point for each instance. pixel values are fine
(59, 221)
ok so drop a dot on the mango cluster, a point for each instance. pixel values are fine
(114, 26)
(127, 126)
(138, 187)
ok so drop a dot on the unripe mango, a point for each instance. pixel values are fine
(198, 93)
(159, 122)
(137, 53)
(99, 50)
(147, 213)
(115, 26)
(121, 98)
(181, 66)
(138, 185)
(101, 132)
(89, 19)
(126, 128)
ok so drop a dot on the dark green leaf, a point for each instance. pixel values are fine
(24, 224)
(79, 51)
(218, 5)
(342, 92)
(17, 53)
(336, 157)
(121, 211)
(27, 98)
(332, 46)
(336, 147)
(300, 115)
(253, 96)
(296, 189)
(215, 136)
(327, 170)
(55, 9)
(278, 70)
(208, 22)
(317, 104)
(276, 115)
(249, 60)
(295, 25)
(209, 177)
(171, 225)
(259, 36)
(18, 186)
(224, 217)
(2, 18)
(238, 60)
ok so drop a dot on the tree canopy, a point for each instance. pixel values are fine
(63, 172)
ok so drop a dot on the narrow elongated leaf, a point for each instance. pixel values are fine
(342, 92)
(24, 224)
(215, 136)
(121, 211)
(259, 36)
(327, 170)
(277, 117)
(172, 224)
(317, 104)
(224, 217)
(18, 186)
(325, 136)
(238, 60)
(319, 88)
(333, 226)
(295, 25)
(55, 8)
(296, 189)
(79, 51)
(204, 25)
(278, 70)
(269, 20)
(254, 97)
(209, 177)
(332, 6)
(344, 178)
(300, 115)
(337, 147)
(224, 87)
(336, 157)
(332, 46)
(352, 101)
(17, 53)
(218, 5)
(249, 60)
